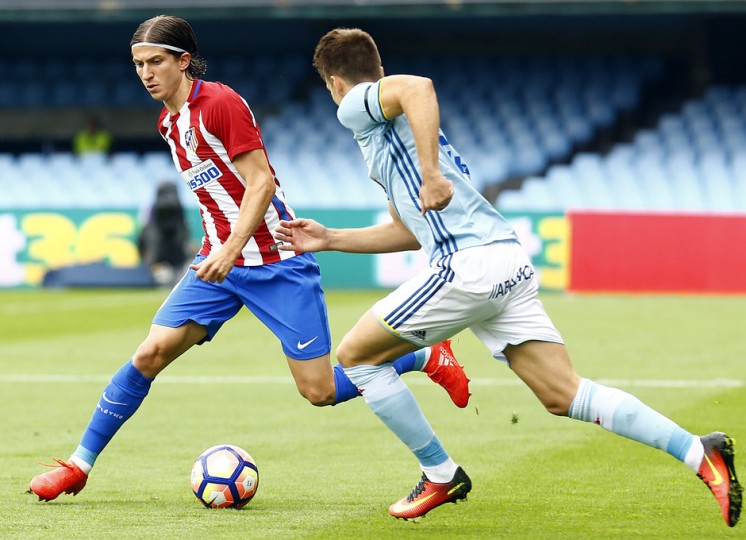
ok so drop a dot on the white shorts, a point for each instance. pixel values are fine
(490, 289)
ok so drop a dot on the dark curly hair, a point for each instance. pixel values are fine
(174, 31)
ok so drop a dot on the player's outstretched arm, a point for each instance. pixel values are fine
(415, 97)
(309, 235)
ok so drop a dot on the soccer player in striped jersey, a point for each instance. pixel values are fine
(217, 147)
(480, 278)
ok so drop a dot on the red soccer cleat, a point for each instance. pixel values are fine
(444, 369)
(67, 477)
(427, 495)
(718, 471)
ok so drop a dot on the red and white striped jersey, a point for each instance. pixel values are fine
(213, 127)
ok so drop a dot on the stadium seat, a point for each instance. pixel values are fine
(538, 196)
(8, 93)
(64, 93)
(516, 118)
(7, 164)
(93, 93)
(31, 94)
(512, 201)
(693, 160)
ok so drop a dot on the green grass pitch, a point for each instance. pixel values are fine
(330, 473)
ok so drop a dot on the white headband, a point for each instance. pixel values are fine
(149, 44)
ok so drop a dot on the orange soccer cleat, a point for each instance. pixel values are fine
(444, 369)
(718, 471)
(67, 477)
(427, 495)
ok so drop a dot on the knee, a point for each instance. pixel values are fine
(150, 358)
(557, 408)
(558, 401)
(317, 396)
(346, 354)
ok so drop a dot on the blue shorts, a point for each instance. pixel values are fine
(286, 296)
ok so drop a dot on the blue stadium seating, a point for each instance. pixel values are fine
(694, 160)
(515, 118)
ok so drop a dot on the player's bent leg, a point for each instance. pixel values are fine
(547, 370)
(315, 380)
(437, 361)
(118, 402)
(164, 345)
(368, 343)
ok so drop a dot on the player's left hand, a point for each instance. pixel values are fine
(436, 192)
(302, 235)
(214, 268)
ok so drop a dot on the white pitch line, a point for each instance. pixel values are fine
(76, 304)
(269, 379)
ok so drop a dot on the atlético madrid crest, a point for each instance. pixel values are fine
(190, 138)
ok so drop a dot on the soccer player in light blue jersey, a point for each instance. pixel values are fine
(479, 278)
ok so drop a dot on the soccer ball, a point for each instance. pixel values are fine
(225, 476)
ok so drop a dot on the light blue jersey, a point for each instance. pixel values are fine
(389, 150)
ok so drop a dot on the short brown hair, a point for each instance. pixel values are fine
(174, 31)
(349, 53)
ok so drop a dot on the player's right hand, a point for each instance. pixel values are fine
(215, 268)
(436, 192)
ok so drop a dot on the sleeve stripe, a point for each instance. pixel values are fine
(367, 108)
(380, 101)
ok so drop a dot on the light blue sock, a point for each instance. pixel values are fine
(118, 402)
(345, 390)
(624, 414)
(391, 400)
